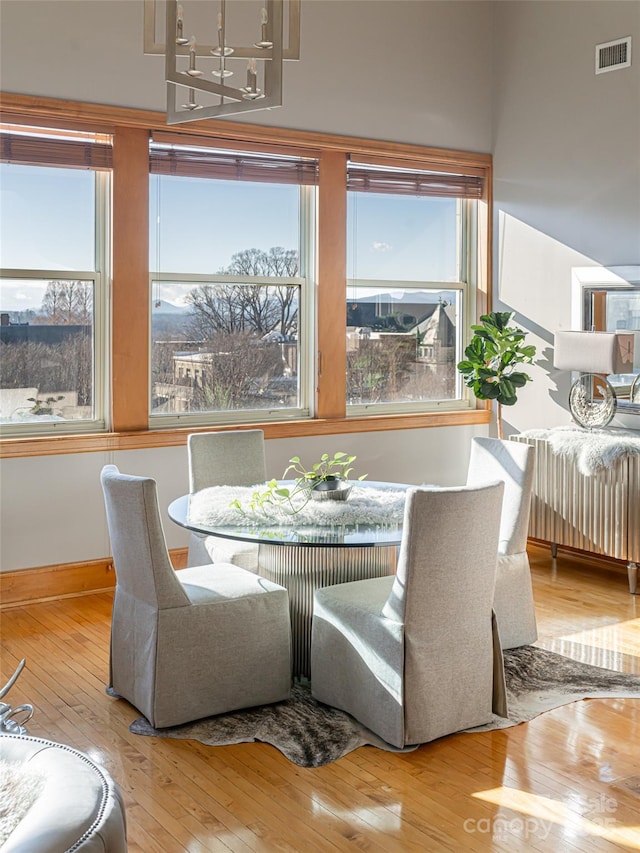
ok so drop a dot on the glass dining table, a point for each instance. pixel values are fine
(304, 556)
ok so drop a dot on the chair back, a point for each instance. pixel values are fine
(512, 463)
(443, 595)
(138, 546)
(448, 556)
(232, 458)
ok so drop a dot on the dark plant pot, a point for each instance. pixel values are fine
(333, 489)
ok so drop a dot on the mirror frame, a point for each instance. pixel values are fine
(586, 280)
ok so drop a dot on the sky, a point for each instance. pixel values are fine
(46, 222)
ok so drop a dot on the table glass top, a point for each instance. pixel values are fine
(336, 535)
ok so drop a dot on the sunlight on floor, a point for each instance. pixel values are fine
(386, 818)
(614, 646)
(543, 813)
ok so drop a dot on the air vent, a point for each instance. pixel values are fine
(613, 55)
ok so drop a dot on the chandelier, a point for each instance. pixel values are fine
(223, 57)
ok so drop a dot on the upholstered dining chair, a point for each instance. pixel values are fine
(415, 656)
(191, 643)
(513, 463)
(231, 458)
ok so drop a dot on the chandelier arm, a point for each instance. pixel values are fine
(243, 99)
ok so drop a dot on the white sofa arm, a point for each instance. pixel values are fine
(78, 808)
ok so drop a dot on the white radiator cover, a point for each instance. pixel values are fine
(598, 513)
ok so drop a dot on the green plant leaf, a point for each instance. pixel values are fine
(491, 356)
(486, 373)
(507, 401)
(489, 390)
(506, 388)
(519, 379)
(483, 333)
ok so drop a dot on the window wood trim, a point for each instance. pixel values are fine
(12, 448)
(26, 109)
(130, 298)
(332, 291)
(130, 295)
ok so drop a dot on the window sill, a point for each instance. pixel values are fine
(11, 448)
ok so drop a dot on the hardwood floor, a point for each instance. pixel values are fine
(568, 780)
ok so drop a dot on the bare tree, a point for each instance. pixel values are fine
(286, 303)
(249, 307)
(21, 364)
(60, 362)
(51, 368)
(237, 375)
(67, 303)
(247, 262)
(282, 262)
(227, 323)
(276, 262)
(216, 308)
(379, 370)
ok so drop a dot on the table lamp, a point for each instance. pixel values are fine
(592, 400)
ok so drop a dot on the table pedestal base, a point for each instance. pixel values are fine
(303, 569)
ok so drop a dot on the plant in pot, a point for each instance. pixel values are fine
(327, 479)
(43, 407)
(490, 365)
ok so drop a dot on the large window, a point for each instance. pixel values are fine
(410, 279)
(155, 280)
(230, 255)
(53, 219)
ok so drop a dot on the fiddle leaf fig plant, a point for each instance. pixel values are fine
(492, 358)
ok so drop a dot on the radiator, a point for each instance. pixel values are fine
(598, 513)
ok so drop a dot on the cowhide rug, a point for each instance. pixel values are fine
(311, 734)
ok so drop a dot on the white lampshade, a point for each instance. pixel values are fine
(594, 352)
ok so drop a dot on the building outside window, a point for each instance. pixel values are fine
(53, 238)
(231, 253)
(410, 284)
(240, 329)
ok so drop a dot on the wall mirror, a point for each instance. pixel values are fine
(609, 301)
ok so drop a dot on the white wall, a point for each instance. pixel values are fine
(53, 510)
(567, 168)
(401, 70)
(417, 72)
(567, 171)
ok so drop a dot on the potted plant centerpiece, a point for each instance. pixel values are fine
(327, 479)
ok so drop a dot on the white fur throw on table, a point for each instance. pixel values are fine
(593, 449)
(364, 506)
